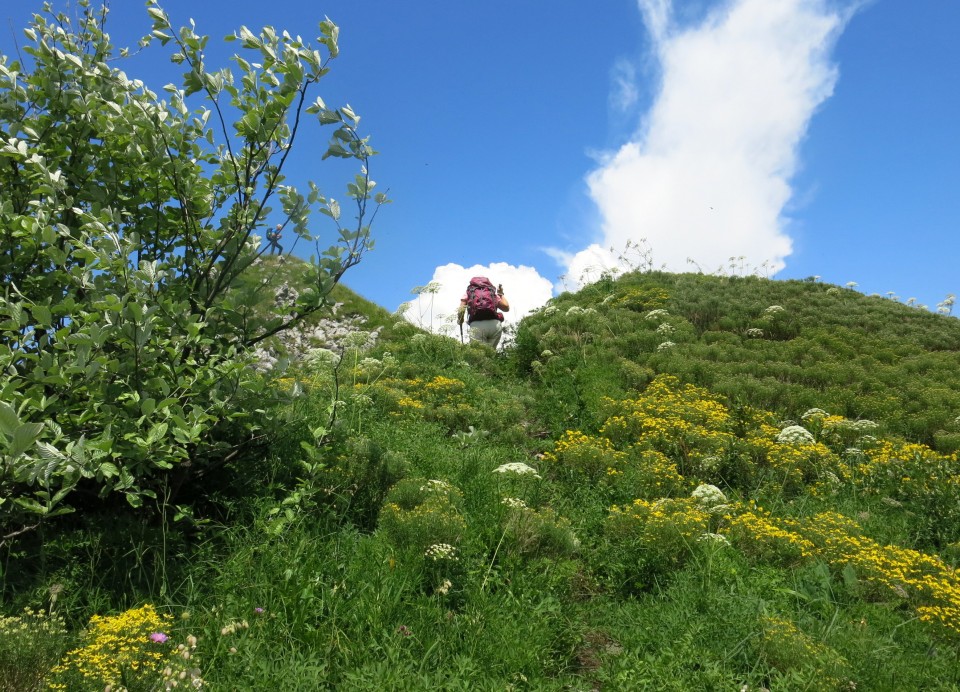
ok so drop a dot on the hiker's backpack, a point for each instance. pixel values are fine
(482, 300)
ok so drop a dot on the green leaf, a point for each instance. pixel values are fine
(48, 451)
(41, 314)
(108, 470)
(24, 438)
(9, 420)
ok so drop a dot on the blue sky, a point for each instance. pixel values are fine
(522, 140)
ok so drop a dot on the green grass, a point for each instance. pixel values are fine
(302, 564)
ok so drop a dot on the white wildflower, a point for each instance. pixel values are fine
(513, 503)
(795, 434)
(369, 364)
(710, 463)
(441, 551)
(831, 479)
(357, 339)
(517, 467)
(708, 495)
(665, 345)
(666, 329)
(655, 315)
(714, 538)
(435, 486)
(814, 413)
(755, 333)
(773, 310)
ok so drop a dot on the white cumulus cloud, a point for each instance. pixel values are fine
(706, 177)
(435, 308)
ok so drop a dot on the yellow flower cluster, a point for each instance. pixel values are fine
(929, 584)
(32, 623)
(669, 416)
(787, 648)
(30, 644)
(665, 525)
(651, 473)
(585, 456)
(890, 457)
(439, 399)
(641, 299)
(799, 464)
(759, 535)
(642, 440)
(117, 645)
(444, 386)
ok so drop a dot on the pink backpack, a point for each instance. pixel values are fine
(482, 299)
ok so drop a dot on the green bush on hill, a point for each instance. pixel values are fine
(130, 226)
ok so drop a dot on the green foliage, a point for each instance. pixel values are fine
(31, 643)
(592, 509)
(419, 513)
(129, 221)
(849, 354)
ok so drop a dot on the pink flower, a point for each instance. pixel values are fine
(158, 637)
(258, 610)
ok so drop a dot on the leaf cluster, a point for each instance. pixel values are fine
(128, 223)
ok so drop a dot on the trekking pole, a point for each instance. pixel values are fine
(461, 333)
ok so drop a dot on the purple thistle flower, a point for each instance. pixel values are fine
(258, 610)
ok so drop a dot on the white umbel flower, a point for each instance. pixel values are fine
(795, 435)
(517, 467)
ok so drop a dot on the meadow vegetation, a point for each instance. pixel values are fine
(665, 482)
(586, 510)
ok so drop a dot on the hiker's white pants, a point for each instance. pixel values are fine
(486, 332)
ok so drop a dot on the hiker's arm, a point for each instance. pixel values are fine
(502, 304)
(461, 310)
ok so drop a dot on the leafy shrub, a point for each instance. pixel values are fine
(356, 482)
(577, 457)
(532, 532)
(419, 513)
(800, 658)
(647, 539)
(761, 537)
(913, 476)
(129, 226)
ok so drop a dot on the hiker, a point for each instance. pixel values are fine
(273, 237)
(482, 304)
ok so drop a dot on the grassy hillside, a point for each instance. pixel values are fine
(785, 346)
(669, 482)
